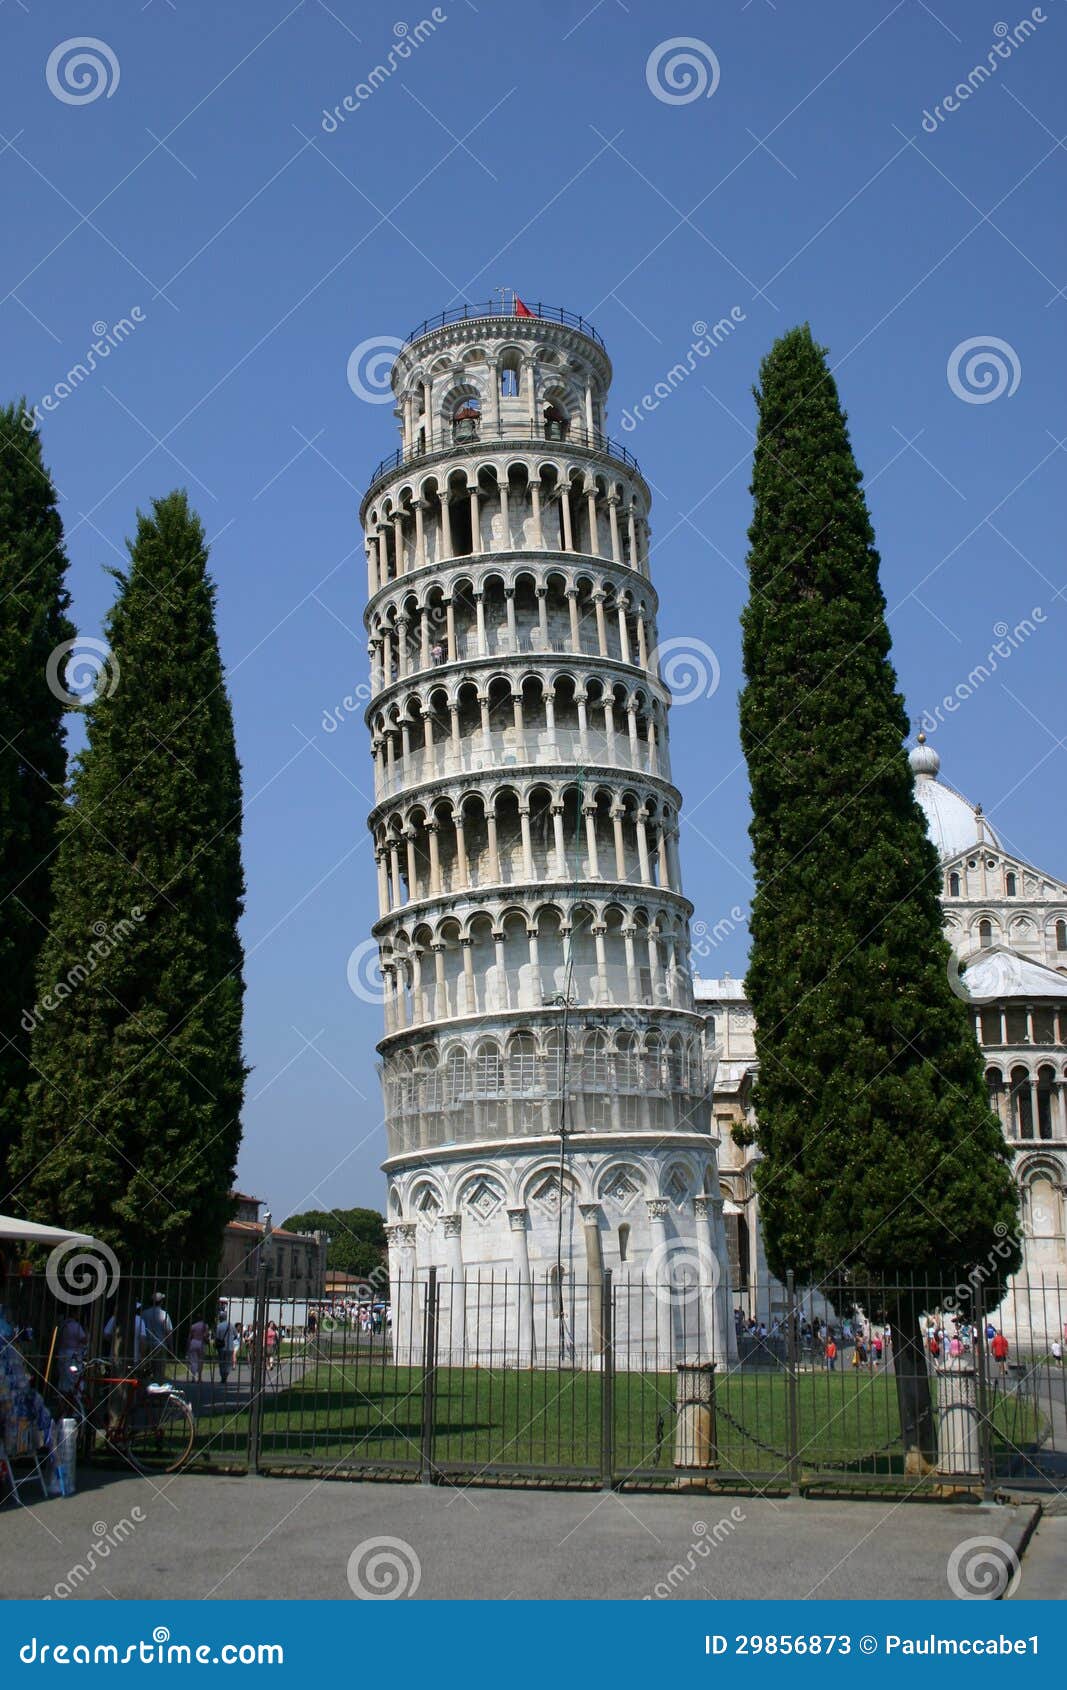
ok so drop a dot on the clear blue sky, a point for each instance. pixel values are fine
(520, 145)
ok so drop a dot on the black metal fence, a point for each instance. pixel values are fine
(623, 1383)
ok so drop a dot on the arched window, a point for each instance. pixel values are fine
(1061, 935)
(466, 420)
(953, 885)
(1022, 1114)
(1046, 1082)
(985, 934)
(1009, 884)
(509, 377)
(555, 423)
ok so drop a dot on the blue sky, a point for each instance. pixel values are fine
(524, 146)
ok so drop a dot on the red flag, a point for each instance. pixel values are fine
(522, 310)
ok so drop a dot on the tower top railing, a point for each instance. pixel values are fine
(546, 434)
(494, 308)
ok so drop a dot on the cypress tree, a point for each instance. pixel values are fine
(33, 625)
(881, 1156)
(134, 1124)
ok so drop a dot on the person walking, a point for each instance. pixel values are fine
(831, 1355)
(271, 1345)
(226, 1340)
(160, 1329)
(999, 1351)
(194, 1355)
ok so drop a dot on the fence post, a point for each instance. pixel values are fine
(607, 1383)
(791, 1403)
(258, 1357)
(429, 1379)
(985, 1406)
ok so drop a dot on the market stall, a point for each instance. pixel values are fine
(28, 1433)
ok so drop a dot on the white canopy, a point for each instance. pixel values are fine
(31, 1232)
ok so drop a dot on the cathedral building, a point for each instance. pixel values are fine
(1006, 921)
(533, 932)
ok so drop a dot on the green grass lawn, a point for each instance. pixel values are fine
(365, 1410)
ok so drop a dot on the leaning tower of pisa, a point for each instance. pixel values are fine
(532, 927)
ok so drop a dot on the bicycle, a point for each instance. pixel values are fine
(149, 1425)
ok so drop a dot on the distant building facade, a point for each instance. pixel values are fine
(299, 1260)
(1006, 922)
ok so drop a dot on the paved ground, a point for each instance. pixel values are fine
(1045, 1563)
(202, 1537)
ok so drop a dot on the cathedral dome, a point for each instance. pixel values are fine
(952, 822)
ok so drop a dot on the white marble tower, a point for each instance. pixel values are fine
(533, 932)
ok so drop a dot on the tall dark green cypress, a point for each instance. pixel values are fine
(33, 625)
(134, 1124)
(881, 1156)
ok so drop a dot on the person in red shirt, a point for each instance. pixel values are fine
(999, 1349)
(831, 1355)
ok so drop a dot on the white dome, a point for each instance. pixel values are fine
(951, 820)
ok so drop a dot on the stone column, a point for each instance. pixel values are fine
(446, 526)
(714, 1284)
(398, 542)
(632, 982)
(479, 613)
(476, 524)
(527, 843)
(450, 630)
(594, 1268)
(461, 846)
(620, 847)
(453, 1296)
(642, 846)
(372, 570)
(594, 538)
(957, 1416)
(542, 616)
(613, 519)
(572, 606)
(521, 1247)
(642, 642)
(695, 1442)
(435, 859)
(624, 632)
(561, 848)
(535, 506)
(441, 1007)
(509, 612)
(565, 507)
(383, 882)
(413, 873)
(657, 1278)
(589, 812)
(601, 625)
(602, 994)
(407, 1313)
(494, 854)
(470, 991)
(505, 518)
